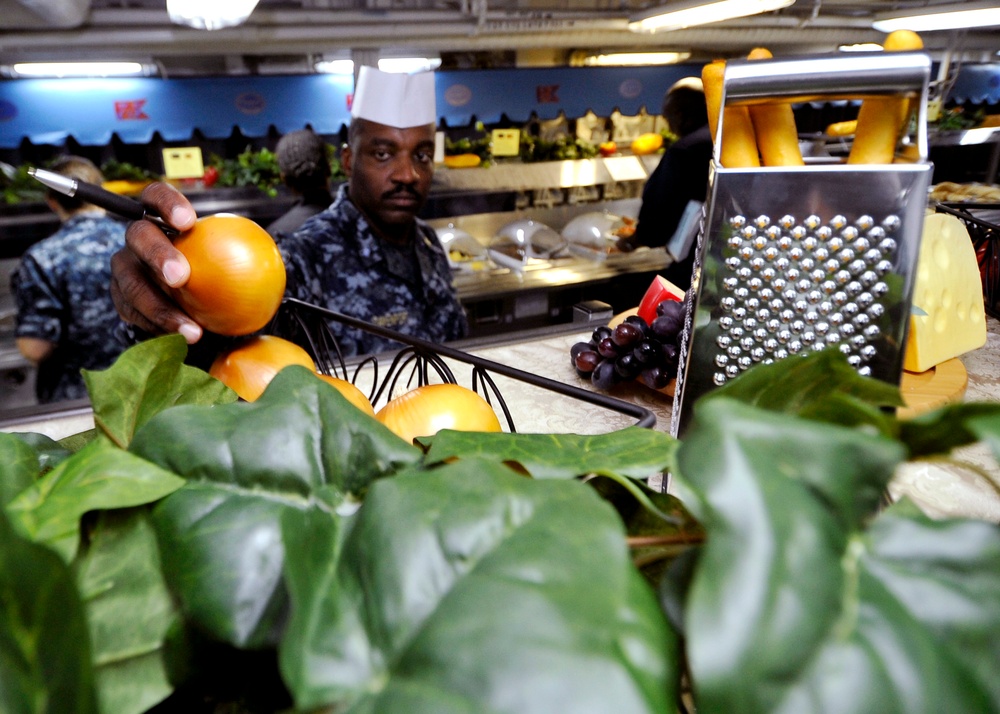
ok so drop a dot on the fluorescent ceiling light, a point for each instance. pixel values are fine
(633, 59)
(409, 65)
(861, 47)
(677, 16)
(963, 15)
(78, 69)
(335, 66)
(210, 14)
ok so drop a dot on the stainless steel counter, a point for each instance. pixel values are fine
(555, 273)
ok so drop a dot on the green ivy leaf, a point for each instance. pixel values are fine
(146, 379)
(941, 430)
(632, 452)
(100, 476)
(821, 386)
(50, 452)
(44, 645)
(20, 466)
(795, 606)
(470, 588)
(120, 581)
(247, 464)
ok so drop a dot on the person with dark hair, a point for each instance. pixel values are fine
(367, 255)
(305, 169)
(679, 182)
(66, 320)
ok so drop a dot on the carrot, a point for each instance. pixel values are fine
(774, 127)
(881, 119)
(711, 79)
(842, 128)
(739, 146)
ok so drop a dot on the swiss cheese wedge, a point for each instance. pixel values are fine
(951, 319)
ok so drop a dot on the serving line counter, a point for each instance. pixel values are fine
(940, 489)
(502, 295)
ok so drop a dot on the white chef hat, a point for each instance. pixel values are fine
(694, 83)
(394, 99)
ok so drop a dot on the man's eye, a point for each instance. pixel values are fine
(381, 154)
(425, 157)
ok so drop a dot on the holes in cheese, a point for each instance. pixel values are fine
(948, 292)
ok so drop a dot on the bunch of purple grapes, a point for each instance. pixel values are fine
(633, 350)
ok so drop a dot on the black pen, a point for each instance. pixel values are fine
(121, 205)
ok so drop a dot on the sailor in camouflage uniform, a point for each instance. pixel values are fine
(66, 320)
(336, 261)
(367, 256)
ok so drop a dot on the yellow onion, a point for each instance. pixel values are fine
(237, 275)
(425, 410)
(354, 395)
(248, 368)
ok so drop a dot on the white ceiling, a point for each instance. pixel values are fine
(286, 35)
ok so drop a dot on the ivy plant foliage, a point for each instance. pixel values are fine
(802, 598)
(484, 574)
(146, 379)
(129, 610)
(45, 662)
(246, 465)
(470, 588)
(109, 576)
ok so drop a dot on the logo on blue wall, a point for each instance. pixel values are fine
(630, 88)
(8, 110)
(250, 103)
(458, 95)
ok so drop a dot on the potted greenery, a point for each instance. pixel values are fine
(194, 553)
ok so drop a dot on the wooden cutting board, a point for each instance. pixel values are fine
(938, 386)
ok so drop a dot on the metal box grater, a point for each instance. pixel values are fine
(791, 260)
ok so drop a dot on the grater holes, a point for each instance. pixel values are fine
(791, 287)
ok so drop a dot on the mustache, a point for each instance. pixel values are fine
(401, 189)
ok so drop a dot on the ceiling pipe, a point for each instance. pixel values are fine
(36, 14)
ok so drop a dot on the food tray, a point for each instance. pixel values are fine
(983, 223)
(420, 362)
(791, 260)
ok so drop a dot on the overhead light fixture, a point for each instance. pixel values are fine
(409, 65)
(210, 14)
(634, 59)
(677, 16)
(939, 17)
(335, 66)
(79, 69)
(861, 47)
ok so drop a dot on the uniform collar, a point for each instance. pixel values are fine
(369, 245)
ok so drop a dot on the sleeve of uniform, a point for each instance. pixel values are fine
(39, 304)
(297, 275)
(663, 202)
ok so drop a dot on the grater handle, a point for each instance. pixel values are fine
(806, 78)
(803, 79)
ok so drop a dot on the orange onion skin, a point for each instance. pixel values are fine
(248, 368)
(427, 409)
(237, 275)
(354, 395)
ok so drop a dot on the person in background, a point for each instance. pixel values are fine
(305, 169)
(678, 183)
(367, 255)
(66, 320)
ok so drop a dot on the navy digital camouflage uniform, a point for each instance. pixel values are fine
(62, 292)
(335, 261)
